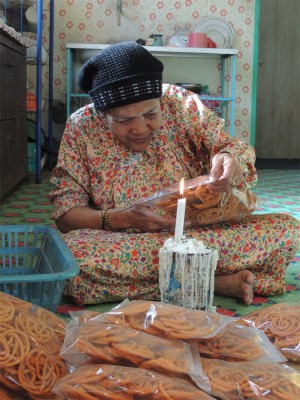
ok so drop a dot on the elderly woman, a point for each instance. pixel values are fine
(138, 136)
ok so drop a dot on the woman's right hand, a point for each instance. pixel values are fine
(141, 218)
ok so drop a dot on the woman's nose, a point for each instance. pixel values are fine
(139, 124)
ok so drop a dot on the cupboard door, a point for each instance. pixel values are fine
(9, 82)
(13, 154)
(13, 135)
(278, 88)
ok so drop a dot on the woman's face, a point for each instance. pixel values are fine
(134, 124)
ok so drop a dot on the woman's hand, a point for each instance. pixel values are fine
(141, 218)
(225, 173)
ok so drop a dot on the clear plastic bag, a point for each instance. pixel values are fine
(30, 341)
(98, 342)
(171, 321)
(202, 206)
(251, 380)
(240, 343)
(7, 394)
(281, 323)
(95, 382)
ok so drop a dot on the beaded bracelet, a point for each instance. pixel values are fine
(102, 219)
(107, 224)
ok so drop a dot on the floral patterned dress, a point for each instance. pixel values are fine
(94, 168)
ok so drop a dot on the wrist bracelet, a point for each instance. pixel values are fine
(107, 224)
(102, 220)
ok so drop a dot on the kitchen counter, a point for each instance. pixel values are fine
(12, 33)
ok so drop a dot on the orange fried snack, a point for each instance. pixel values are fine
(125, 346)
(84, 316)
(98, 382)
(18, 304)
(251, 380)
(168, 320)
(40, 333)
(7, 394)
(7, 310)
(14, 345)
(224, 347)
(239, 343)
(9, 379)
(58, 325)
(281, 323)
(38, 372)
(204, 207)
(29, 348)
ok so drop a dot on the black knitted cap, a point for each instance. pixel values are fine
(121, 74)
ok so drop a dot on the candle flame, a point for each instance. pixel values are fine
(181, 187)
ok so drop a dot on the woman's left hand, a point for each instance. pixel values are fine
(140, 218)
(225, 173)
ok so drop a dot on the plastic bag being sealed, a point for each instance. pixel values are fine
(202, 206)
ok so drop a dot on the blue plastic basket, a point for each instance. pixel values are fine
(34, 264)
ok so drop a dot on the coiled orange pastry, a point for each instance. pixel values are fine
(29, 356)
(204, 207)
(96, 382)
(251, 380)
(281, 323)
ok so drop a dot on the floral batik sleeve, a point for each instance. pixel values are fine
(70, 176)
(202, 129)
(218, 141)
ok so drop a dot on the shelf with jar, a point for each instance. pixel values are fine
(222, 103)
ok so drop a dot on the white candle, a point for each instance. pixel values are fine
(180, 214)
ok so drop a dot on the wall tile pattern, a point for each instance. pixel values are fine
(95, 21)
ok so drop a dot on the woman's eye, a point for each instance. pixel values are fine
(151, 115)
(122, 121)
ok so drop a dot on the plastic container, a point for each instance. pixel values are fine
(31, 15)
(31, 102)
(35, 264)
(31, 54)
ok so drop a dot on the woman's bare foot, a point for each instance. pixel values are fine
(238, 285)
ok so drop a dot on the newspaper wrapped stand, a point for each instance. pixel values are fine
(186, 276)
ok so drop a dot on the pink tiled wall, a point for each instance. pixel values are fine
(95, 21)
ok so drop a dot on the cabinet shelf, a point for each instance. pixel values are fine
(83, 51)
(171, 51)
